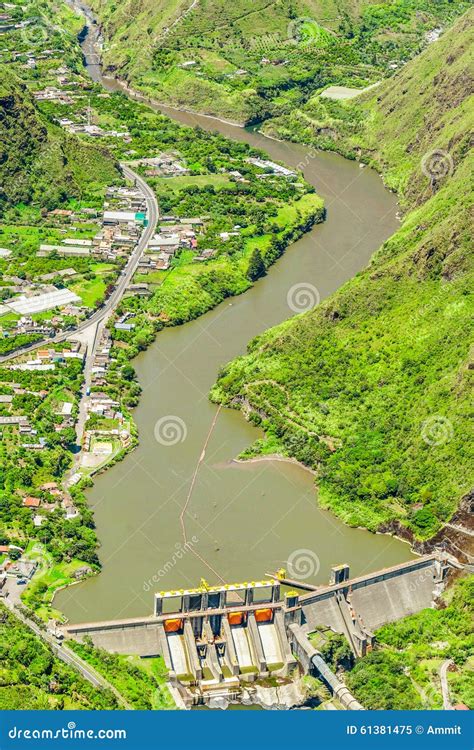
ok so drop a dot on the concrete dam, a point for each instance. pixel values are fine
(216, 640)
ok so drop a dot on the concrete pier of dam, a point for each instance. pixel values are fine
(218, 640)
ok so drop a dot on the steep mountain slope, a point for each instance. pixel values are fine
(425, 107)
(254, 60)
(371, 388)
(38, 161)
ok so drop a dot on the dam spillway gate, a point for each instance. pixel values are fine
(216, 639)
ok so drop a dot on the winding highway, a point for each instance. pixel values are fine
(112, 302)
(100, 316)
(443, 675)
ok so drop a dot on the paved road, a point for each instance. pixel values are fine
(67, 656)
(461, 529)
(444, 684)
(114, 299)
(102, 314)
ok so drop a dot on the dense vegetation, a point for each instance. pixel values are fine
(403, 673)
(371, 388)
(252, 61)
(424, 108)
(265, 214)
(38, 162)
(142, 682)
(31, 677)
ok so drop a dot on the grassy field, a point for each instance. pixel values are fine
(49, 577)
(90, 291)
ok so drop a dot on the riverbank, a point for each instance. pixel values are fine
(346, 369)
(228, 77)
(176, 374)
(274, 457)
(162, 106)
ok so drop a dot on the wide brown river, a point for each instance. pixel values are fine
(241, 520)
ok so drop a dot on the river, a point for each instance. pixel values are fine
(241, 520)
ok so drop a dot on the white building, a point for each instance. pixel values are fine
(41, 302)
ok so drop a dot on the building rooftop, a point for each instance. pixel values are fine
(31, 502)
(41, 302)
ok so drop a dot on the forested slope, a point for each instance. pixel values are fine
(426, 106)
(403, 673)
(371, 388)
(38, 161)
(251, 61)
(33, 678)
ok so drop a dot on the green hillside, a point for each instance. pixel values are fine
(38, 161)
(371, 388)
(33, 678)
(251, 61)
(403, 673)
(423, 108)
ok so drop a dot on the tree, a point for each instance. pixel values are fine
(128, 372)
(256, 267)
